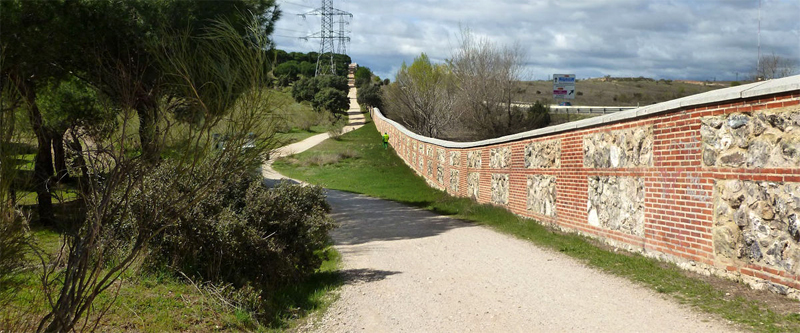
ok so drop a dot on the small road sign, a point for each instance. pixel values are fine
(564, 86)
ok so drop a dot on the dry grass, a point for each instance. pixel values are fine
(617, 92)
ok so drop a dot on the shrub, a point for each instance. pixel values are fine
(304, 89)
(249, 235)
(333, 100)
(336, 132)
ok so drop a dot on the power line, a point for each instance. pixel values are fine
(296, 4)
(302, 32)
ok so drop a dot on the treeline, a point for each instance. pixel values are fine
(369, 88)
(292, 66)
(151, 118)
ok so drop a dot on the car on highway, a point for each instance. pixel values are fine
(564, 104)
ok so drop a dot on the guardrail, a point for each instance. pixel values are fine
(581, 109)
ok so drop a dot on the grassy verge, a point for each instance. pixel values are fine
(381, 173)
(161, 302)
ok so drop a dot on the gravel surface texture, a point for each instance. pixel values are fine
(409, 270)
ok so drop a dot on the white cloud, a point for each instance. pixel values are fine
(673, 39)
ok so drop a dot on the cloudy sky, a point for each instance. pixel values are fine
(671, 39)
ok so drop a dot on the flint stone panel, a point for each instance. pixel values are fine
(429, 151)
(474, 159)
(421, 149)
(440, 174)
(627, 148)
(758, 222)
(413, 159)
(454, 180)
(764, 139)
(500, 158)
(617, 203)
(430, 168)
(500, 188)
(473, 184)
(440, 156)
(455, 158)
(542, 195)
(542, 155)
(421, 164)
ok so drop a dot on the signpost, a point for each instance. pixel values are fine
(564, 86)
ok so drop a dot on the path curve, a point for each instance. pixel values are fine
(410, 270)
(355, 119)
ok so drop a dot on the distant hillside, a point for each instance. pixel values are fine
(618, 91)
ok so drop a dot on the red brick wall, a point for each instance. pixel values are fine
(679, 189)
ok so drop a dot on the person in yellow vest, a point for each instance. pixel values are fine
(385, 140)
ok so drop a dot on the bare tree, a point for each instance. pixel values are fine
(487, 76)
(127, 199)
(423, 97)
(773, 66)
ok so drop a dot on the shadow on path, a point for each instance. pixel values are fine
(363, 219)
(365, 275)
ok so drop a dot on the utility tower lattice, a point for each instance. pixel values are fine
(328, 36)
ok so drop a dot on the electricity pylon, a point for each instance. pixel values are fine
(328, 36)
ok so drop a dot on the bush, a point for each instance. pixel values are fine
(304, 89)
(336, 132)
(538, 116)
(249, 235)
(333, 100)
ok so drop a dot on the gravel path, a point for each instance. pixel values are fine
(409, 270)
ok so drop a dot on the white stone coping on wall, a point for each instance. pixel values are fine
(751, 90)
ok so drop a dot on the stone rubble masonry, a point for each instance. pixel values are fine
(628, 148)
(430, 169)
(543, 154)
(709, 182)
(500, 158)
(454, 181)
(473, 185)
(617, 203)
(455, 158)
(762, 139)
(758, 222)
(500, 189)
(440, 156)
(474, 159)
(542, 194)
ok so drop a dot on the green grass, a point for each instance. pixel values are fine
(297, 134)
(381, 173)
(160, 301)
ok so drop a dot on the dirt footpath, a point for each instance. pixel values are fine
(409, 270)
